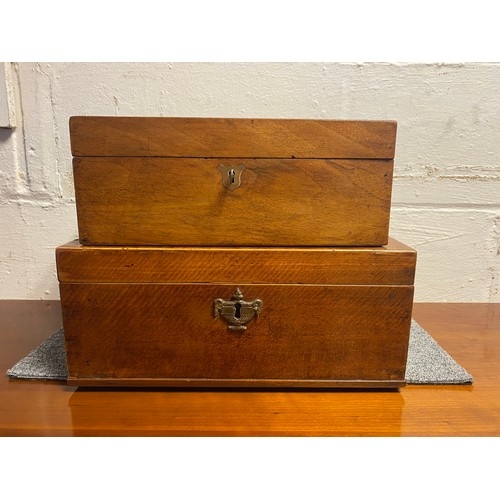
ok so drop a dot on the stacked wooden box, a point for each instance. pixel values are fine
(234, 252)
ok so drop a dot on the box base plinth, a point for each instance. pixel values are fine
(233, 383)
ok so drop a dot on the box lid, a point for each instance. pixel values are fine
(231, 137)
(393, 264)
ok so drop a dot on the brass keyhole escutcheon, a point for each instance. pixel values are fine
(236, 311)
(231, 175)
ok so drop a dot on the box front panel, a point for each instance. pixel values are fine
(232, 202)
(170, 331)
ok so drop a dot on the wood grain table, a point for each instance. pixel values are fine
(469, 332)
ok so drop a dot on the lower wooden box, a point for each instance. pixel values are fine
(239, 317)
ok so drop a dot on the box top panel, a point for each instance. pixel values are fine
(393, 264)
(231, 137)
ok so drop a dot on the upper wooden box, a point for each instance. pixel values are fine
(232, 182)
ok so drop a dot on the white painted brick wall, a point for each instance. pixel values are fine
(446, 196)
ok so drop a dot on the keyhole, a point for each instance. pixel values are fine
(232, 173)
(237, 312)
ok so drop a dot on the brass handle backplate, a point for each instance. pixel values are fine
(236, 311)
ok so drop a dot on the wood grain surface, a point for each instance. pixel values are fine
(281, 202)
(469, 332)
(393, 264)
(169, 331)
(231, 137)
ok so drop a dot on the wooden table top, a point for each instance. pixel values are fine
(468, 332)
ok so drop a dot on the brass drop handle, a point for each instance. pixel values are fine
(236, 311)
(231, 175)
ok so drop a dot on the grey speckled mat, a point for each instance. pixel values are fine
(427, 362)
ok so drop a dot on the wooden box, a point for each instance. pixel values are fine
(256, 317)
(232, 182)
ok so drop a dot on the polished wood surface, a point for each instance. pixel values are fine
(182, 201)
(231, 137)
(393, 264)
(352, 334)
(469, 332)
(349, 335)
